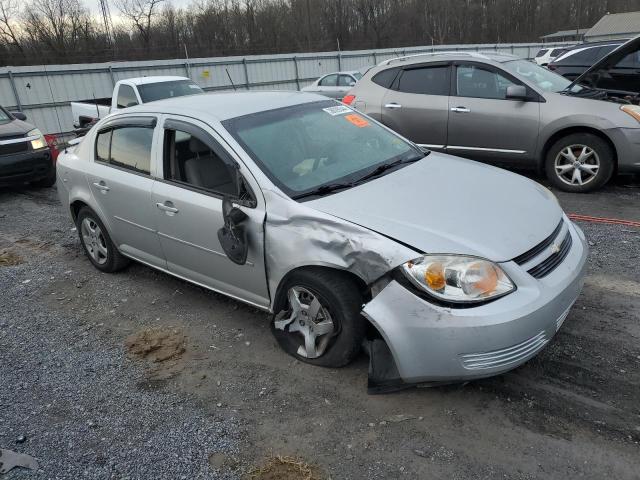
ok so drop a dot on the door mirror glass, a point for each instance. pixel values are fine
(19, 116)
(233, 236)
(352, 84)
(516, 92)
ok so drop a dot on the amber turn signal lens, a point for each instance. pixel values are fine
(434, 276)
(633, 110)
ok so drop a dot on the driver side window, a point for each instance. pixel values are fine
(478, 82)
(329, 81)
(188, 159)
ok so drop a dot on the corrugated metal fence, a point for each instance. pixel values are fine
(44, 92)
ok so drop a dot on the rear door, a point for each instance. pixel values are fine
(483, 124)
(417, 105)
(120, 178)
(197, 173)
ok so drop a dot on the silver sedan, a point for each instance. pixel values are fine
(347, 233)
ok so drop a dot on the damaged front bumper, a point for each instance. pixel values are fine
(435, 344)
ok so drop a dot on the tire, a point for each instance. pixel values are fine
(560, 163)
(48, 181)
(97, 243)
(340, 302)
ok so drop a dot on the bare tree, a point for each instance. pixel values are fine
(9, 13)
(140, 15)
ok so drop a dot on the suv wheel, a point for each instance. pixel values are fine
(319, 322)
(579, 163)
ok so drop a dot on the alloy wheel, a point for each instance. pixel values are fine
(308, 320)
(94, 241)
(577, 164)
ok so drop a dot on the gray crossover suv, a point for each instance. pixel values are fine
(505, 110)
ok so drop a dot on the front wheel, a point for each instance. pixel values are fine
(319, 321)
(579, 163)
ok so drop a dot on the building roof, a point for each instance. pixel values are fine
(566, 33)
(616, 23)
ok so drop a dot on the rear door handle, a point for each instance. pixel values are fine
(393, 105)
(460, 109)
(167, 207)
(101, 186)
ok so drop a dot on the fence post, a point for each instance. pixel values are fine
(246, 72)
(15, 91)
(113, 78)
(187, 68)
(295, 63)
(375, 58)
(339, 61)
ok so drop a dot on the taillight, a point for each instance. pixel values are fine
(348, 99)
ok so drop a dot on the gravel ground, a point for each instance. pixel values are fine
(91, 410)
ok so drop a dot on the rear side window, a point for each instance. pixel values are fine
(586, 57)
(126, 147)
(630, 61)
(541, 53)
(386, 77)
(126, 97)
(425, 80)
(345, 81)
(329, 81)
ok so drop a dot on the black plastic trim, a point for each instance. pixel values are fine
(550, 264)
(535, 251)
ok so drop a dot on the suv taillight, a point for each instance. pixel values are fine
(348, 99)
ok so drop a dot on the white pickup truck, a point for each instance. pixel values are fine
(130, 92)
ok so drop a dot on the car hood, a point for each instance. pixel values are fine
(445, 204)
(14, 128)
(591, 76)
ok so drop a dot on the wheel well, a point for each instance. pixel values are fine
(571, 130)
(281, 295)
(75, 209)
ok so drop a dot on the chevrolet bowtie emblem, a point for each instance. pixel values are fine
(555, 248)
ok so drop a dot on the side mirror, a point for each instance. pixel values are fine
(516, 92)
(352, 84)
(233, 236)
(19, 116)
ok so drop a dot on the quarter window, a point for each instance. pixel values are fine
(386, 77)
(126, 97)
(425, 80)
(103, 144)
(189, 160)
(478, 82)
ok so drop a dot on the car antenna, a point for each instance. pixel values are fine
(55, 109)
(229, 75)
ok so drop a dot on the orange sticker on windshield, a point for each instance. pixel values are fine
(357, 120)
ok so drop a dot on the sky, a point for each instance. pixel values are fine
(94, 5)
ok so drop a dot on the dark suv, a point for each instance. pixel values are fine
(576, 60)
(25, 156)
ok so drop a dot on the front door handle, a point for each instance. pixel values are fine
(460, 109)
(167, 207)
(101, 186)
(393, 105)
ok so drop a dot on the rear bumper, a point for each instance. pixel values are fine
(25, 167)
(627, 143)
(430, 343)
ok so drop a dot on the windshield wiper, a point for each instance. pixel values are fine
(380, 169)
(323, 190)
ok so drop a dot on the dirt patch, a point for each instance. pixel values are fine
(284, 468)
(9, 258)
(156, 344)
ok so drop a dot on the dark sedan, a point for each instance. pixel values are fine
(24, 154)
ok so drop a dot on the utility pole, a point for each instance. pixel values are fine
(106, 18)
(308, 26)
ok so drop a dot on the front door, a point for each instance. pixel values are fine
(187, 200)
(416, 105)
(121, 183)
(483, 124)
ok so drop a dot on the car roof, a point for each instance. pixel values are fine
(492, 56)
(595, 44)
(153, 79)
(223, 106)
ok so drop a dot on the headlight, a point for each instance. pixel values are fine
(457, 278)
(633, 110)
(39, 142)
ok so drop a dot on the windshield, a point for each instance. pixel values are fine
(157, 91)
(308, 146)
(357, 75)
(537, 75)
(4, 116)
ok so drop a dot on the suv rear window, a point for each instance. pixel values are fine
(386, 77)
(541, 53)
(425, 80)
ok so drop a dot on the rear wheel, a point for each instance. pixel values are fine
(319, 321)
(580, 162)
(97, 243)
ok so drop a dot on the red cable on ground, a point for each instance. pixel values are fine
(611, 221)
